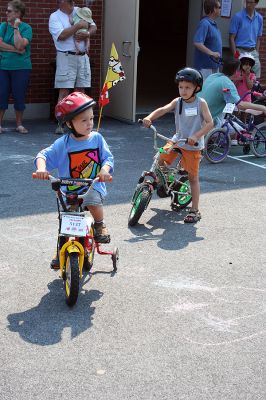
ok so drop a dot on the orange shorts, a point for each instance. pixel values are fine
(190, 159)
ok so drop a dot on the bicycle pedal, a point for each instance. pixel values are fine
(175, 207)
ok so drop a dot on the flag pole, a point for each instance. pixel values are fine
(100, 117)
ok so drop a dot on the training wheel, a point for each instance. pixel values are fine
(115, 258)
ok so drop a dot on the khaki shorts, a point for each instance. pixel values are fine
(190, 159)
(94, 198)
(72, 71)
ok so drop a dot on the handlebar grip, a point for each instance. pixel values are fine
(34, 176)
(109, 180)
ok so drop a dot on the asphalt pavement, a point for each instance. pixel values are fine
(184, 318)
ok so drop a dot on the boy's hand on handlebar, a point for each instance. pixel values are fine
(192, 140)
(146, 122)
(104, 176)
(42, 174)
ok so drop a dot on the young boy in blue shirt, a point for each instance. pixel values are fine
(83, 153)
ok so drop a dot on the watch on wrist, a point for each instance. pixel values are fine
(16, 28)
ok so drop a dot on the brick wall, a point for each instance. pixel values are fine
(43, 51)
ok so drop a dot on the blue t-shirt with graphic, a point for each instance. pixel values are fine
(79, 158)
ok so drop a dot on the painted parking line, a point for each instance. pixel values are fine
(240, 158)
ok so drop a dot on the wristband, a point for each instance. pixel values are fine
(16, 28)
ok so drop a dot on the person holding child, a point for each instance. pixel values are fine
(73, 70)
(193, 120)
(83, 153)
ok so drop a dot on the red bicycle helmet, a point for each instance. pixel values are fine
(72, 105)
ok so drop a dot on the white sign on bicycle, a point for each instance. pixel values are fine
(229, 108)
(73, 225)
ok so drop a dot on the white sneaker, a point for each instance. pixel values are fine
(234, 142)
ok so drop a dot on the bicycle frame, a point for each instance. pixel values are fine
(73, 244)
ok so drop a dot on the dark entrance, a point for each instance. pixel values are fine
(163, 41)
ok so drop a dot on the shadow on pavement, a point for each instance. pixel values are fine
(176, 235)
(44, 324)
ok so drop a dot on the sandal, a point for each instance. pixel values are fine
(192, 217)
(21, 129)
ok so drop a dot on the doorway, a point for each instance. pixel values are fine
(162, 40)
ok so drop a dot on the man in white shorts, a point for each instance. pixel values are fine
(72, 68)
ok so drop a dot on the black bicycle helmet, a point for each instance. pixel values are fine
(190, 75)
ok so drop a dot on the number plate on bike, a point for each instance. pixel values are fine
(73, 225)
(229, 108)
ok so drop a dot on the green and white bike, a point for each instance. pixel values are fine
(165, 180)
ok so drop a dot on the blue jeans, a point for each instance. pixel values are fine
(15, 82)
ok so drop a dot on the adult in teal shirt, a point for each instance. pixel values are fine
(15, 62)
(212, 92)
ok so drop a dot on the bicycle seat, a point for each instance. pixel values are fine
(253, 112)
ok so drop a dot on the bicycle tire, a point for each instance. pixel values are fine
(141, 200)
(72, 279)
(183, 186)
(217, 145)
(258, 144)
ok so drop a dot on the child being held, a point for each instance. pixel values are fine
(193, 120)
(84, 14)
(83, 153)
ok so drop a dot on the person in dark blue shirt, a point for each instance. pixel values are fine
(245, 32)
(208, 40)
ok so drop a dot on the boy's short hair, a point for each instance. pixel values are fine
(230, 66)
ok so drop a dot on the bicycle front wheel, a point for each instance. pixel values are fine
(217, 145)
(141, 200)
(72, 278)
(258, 144)
(183, 197)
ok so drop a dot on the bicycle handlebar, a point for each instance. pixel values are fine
(71, 181)
(140, 121)
(227, 91)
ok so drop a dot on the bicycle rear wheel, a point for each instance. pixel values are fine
(258, 144)
(217, 145)
(72, 278)
(141, 200)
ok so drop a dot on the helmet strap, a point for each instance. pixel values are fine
(75, 133)
(181, 101)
